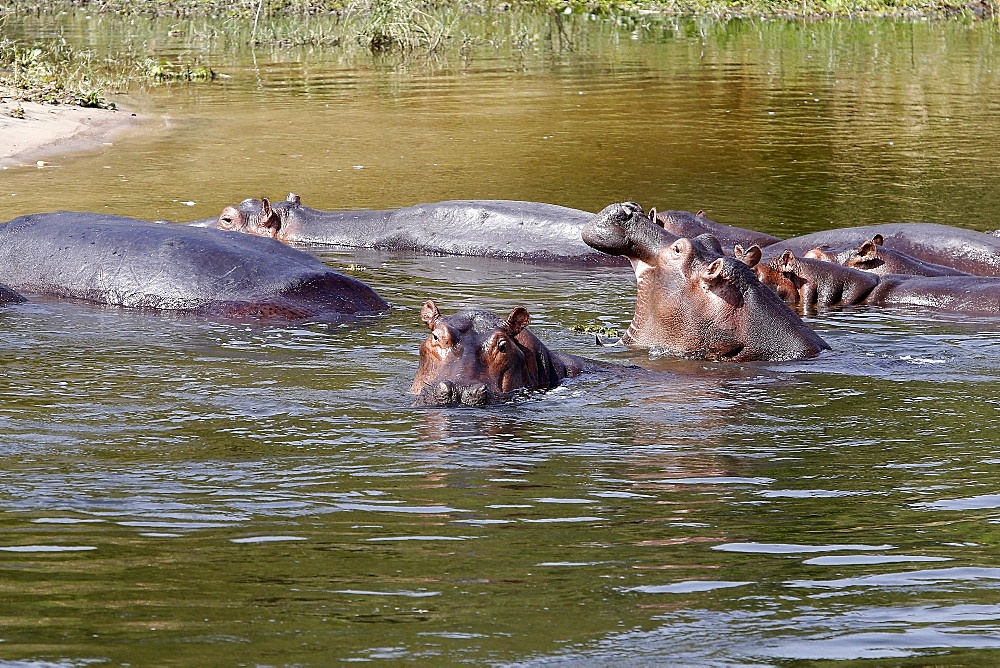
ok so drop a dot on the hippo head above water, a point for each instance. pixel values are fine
(693, 300)
(259, 217)
(474, 358)
(873, 257)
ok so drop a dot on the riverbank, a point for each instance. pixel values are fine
(256, 9)
(33, 129)
(35, 133)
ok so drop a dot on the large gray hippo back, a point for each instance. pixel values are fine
(134, 263)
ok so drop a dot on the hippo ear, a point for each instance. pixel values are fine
(516, 321)
(293, 198)
(269, 218)
(429, 313)
(750, 256)
(868, 251)
(878, 240)
(713, 272)
(787, 261)
(652, 216)
(701, 213)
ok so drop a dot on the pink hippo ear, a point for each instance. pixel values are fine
(749, 256)
(293, 198)
(516, 321)
(652, 216)
(269, 218)
(701, 213)
(868, 251)
(787, 262)
(429, 313)
(712, 274)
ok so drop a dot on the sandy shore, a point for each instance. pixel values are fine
(51, 131)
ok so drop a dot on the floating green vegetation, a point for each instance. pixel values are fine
(163, 70)
(602, 331)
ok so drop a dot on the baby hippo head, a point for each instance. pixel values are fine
(474, 358)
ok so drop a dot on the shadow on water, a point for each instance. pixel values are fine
(218, 491)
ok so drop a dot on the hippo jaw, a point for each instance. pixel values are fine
(687, 303)
(623, 229)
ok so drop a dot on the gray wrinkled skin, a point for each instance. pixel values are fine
(503, 229)
(132, 263)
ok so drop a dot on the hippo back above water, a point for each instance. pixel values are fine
(808, 283)
(133, 263)
(475, 358)
(503, 229)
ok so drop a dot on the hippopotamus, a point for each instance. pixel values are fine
(923, 249)
(127, 262)
(873, 258)
(687, 224)
(505, 229)
(8, 296)
(693, 300)
(809, 282)
(474, 358)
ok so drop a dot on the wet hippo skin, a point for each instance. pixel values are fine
(126, 262)
(504, 229)
(476, 358)
(693, 300)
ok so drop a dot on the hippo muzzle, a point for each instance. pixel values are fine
(448, 393)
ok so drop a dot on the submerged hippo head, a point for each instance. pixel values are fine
(807, 282)
(873, 257)
(692, 299)
(475, 358)
(259, 216)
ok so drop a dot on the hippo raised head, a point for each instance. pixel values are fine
(693, 300)
(474, 358)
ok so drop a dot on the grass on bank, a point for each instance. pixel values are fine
(53, 71)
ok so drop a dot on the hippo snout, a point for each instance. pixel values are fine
(448, 393)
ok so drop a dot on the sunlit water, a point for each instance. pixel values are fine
(181, 490)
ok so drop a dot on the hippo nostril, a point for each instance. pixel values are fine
(474, 395)
(444, 393)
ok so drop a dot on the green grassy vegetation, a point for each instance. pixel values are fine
(386, 13)
(52, 70)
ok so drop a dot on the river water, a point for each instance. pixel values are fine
(182, 491)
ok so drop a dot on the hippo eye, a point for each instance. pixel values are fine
(502, 345)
